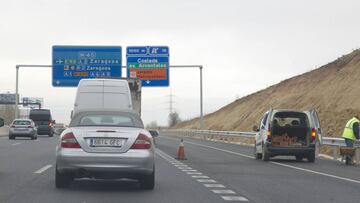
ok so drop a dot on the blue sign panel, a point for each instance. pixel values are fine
(73, 63)
(149, 63)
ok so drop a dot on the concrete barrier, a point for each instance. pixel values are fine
(4, 131)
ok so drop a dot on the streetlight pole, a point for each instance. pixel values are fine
(202, 124)
(201, 100)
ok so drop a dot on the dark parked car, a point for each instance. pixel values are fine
(43, 121)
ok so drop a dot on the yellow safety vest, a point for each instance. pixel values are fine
(349, 131)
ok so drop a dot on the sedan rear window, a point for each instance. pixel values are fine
(22, 123)
(106, 120)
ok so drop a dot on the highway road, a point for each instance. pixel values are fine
(213, 172)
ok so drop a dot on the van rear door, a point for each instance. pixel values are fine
(316, 123)
(117, 94)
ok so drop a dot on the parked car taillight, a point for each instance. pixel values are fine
(269, 134)
(69, 141)
(142, 142)
(30, 126)
(313, 134)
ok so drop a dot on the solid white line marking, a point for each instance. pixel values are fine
(16, 144)
(316, 172)
(280, 164)
(234, 198)
(223, 191)
(43, 169)
(200, 176)
(214, 185)
(206, 180)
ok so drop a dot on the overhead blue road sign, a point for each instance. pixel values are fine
(148, 63)
(73, 63)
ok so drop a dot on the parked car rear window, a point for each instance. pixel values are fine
(22, 123)
(290, 119)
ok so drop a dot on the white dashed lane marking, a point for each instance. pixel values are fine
(234, 198)
(16, 144)
(214, 185)
(223, 191)
(43, 169)
(205, 180)
(192, 170)
(193, 173)
(200, 176)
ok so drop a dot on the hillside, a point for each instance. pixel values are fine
(333, 90)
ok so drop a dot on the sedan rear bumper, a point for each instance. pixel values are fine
(133, 162)
(23, 133)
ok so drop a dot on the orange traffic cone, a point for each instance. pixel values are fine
(181, 151)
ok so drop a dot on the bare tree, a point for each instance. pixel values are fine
(173, 119)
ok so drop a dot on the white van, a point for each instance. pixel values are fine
(103, 94)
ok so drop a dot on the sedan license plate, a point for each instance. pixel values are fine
(106, 142)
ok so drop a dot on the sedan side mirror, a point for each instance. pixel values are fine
(255, 128)
(154, 133)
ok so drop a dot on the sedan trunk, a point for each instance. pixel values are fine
(106, 139)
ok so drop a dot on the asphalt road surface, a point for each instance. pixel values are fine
(213, 172)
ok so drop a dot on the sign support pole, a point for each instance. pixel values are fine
(17, 92)
(17, 83)
(202, 123)
(202, 126)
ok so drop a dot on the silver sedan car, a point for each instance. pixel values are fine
(105, 144)
(23, 128)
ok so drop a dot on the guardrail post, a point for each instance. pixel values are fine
(335, 152)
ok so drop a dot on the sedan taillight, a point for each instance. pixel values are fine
(69, 141)
(142, 142)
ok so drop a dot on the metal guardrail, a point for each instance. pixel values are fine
(334, 142)
(190, 132)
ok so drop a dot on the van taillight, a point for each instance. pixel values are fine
(69, 141)
(269, 134)
(313, 134)
(142, 142)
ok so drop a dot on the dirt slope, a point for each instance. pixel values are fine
(333, 90)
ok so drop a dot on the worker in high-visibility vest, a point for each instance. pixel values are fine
(351, 132)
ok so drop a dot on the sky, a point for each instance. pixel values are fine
(243, 45)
